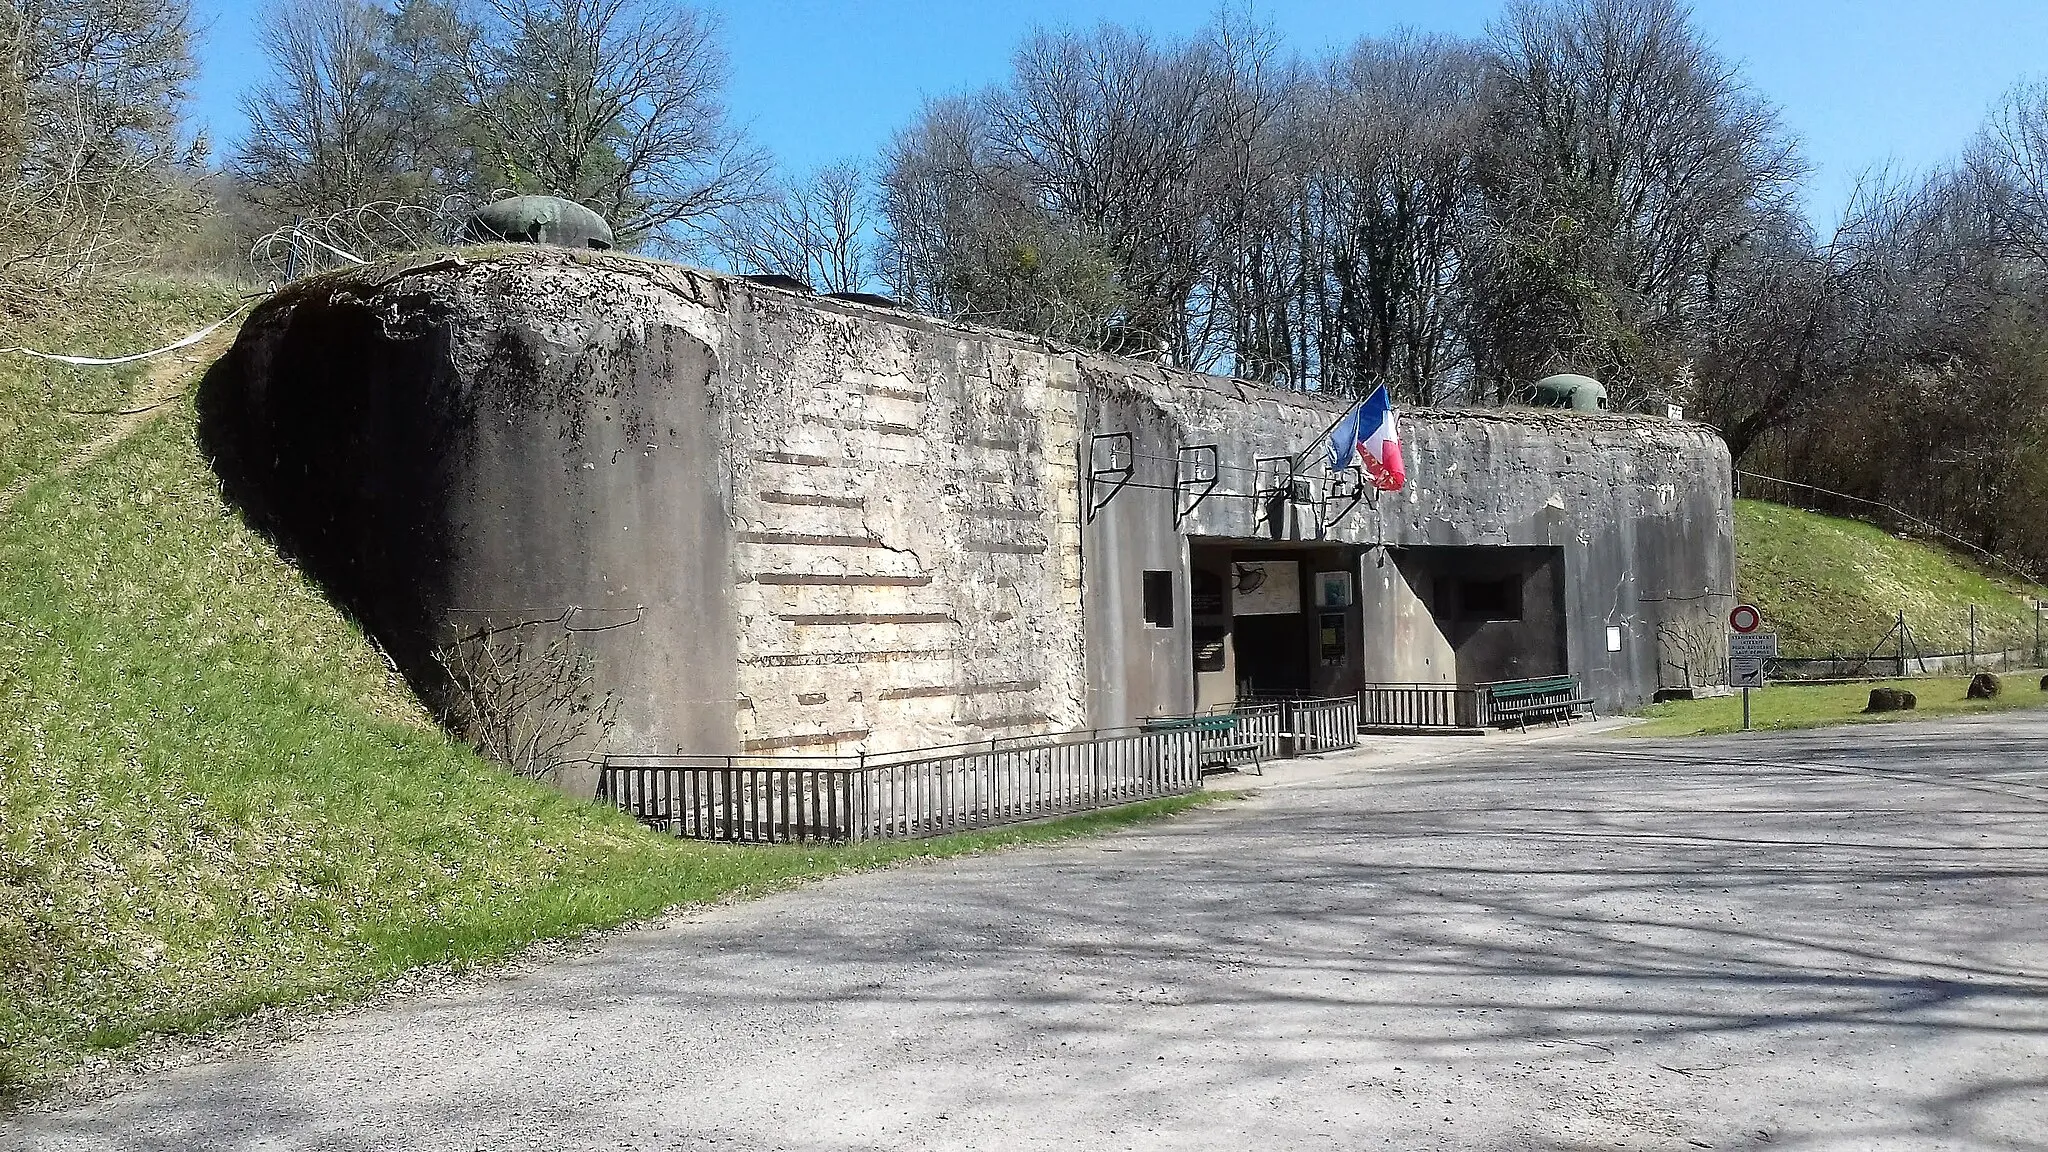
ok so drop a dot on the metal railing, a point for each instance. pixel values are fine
(925, 792)
(1295, 726)
(1264, 723)
(1422, 706)
(1324, 725)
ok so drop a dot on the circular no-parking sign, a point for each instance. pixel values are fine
(1745, 618)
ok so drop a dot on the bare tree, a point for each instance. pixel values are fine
(1903, 282)
(932, 180)
(967, 236)
(1900, 362)
(1249, 309)
(91, 95)
(1115, 191)
(1109, 130)
(1395, 152)
(1624, 160)
(615, 103)
(815, 230)
(319, 140)
(421, 92)
(2011, 155)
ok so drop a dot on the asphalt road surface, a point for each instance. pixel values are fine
(1830, 940)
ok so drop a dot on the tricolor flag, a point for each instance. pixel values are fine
(1367, 436)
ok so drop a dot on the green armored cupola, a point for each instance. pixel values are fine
(1568, 390)
(540, 220)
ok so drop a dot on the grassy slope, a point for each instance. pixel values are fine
(214, 796)
(1835, 586)
(1816, 705)
(48, 409)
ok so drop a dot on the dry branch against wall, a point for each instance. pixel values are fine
(524, 701)
(1692, 651)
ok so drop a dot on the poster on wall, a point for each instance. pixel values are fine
(1333, 589)
(1265, 587)
(1330, 633)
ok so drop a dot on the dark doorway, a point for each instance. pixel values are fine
(1500, 610)
(1272, 656)
(1275, 622)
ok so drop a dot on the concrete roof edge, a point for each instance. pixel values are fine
(383, 273)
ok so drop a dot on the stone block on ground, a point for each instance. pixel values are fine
(1983, 686)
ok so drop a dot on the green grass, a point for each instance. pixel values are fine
(1831, 586)
(215, 796)
(1819, 705)
(47, 409)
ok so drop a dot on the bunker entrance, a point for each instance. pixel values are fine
(1495, 613)
(1273, 621)
(1294, 620)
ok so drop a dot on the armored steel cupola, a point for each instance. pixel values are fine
(1568, 390)
(539, 220)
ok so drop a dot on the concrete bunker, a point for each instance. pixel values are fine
(1287, 622)
(779, 523)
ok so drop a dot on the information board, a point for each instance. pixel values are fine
(1748, 652)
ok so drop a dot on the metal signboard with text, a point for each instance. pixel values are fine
(1748, 653)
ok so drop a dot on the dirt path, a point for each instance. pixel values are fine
(167, 379)
(1827, 940)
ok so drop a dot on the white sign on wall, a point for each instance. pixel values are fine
(1265, 588)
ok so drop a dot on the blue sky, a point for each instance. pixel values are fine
(1860, 82)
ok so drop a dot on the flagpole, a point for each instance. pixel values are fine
(1293, 465)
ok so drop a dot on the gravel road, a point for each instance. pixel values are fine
(1829, 940)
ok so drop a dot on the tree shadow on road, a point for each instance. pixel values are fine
(1822, 941)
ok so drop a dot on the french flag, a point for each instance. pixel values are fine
(1367, 436)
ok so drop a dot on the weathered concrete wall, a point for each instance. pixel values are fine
(1134, 669)
(1398, 592)
(779, 525)
(908, 564)
(785, 524)
(463, 450)
(1482, 649)
(1641, 509)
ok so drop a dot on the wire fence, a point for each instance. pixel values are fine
(2008, 633)
(1932, 643)
(364, 234)
(1890, 517)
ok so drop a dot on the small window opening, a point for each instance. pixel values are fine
(1491, 599)
(1159, 599)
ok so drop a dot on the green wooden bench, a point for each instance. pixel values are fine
(1543, 698)
(1218, 742)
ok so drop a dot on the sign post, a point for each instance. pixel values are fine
(1748, 651)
